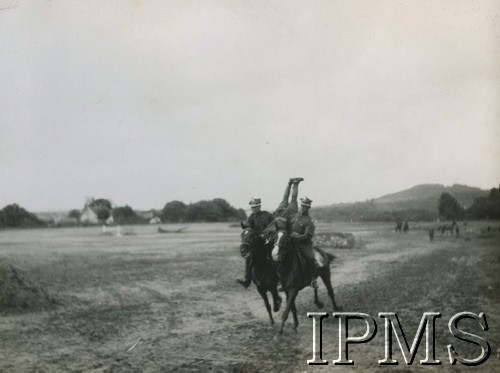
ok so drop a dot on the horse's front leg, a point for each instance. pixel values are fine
(290, 299)
(276, 299)
(263, 294)
(284, 316)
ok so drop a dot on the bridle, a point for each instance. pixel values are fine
(244, 235)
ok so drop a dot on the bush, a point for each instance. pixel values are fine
(126, 215)
(14, 216)
(216, 210)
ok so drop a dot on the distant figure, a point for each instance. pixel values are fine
(399, 225)
(454, 228)
(405, 226)
(431, 234)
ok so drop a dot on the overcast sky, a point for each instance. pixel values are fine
(144, 102)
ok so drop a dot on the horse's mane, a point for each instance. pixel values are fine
(258, 245)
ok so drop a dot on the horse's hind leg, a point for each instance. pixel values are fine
(325, 276)
(317, 302)
(263, 294)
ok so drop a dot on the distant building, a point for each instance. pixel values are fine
(88, 216)
(155, 220)
(110, 220)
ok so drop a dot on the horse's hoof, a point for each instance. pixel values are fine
(320, 305)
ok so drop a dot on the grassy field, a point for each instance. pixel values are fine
(77, 299)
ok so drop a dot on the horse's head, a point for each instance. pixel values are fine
(249, 240)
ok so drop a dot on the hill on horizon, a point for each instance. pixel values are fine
(426, 196)
(419, 202)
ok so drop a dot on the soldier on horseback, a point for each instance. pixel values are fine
(258, 220)
(302, 226)
(286, 215)
(302, 233)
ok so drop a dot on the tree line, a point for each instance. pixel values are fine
(215, 210)
(219, 210)
(487, 207)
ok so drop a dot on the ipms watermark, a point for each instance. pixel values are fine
(393, 328)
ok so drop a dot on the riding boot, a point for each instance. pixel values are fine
(313, 270)
(248, 274)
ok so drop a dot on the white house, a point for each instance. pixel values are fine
(88, 216)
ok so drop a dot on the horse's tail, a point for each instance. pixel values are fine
(330, 257)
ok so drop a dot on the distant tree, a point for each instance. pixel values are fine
(486, 207)
(449, 208)
(75, 214)
(241, 215)
(101, 203)
(174, 211)
(102, 207)
(126, 215)
(15, 216)
(205, 211)
(216, 210)
(228, 212)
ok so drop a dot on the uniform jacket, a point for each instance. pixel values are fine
(303, 232)
(259, 221)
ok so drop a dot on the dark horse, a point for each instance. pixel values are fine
(294, 276)
(263, 272)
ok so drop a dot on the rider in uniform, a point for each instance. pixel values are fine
(258, 220)
(302, 233)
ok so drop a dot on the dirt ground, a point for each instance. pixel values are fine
(79, 300)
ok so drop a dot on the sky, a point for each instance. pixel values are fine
(145, 102)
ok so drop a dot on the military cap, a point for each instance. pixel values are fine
(254, 202)
(305, 201)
